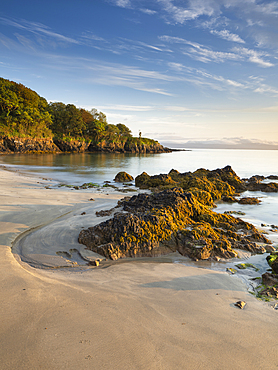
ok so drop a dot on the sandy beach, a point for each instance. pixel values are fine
(149, 314)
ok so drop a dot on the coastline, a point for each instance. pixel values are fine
(126, 316)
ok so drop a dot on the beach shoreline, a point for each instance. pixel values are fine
(124, 316)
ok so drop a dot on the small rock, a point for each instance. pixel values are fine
(83, 213)
(123, 177)
(240, 304)
(231, 270)
(91, 199)
(94, 263)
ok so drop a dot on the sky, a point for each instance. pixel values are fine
(183, 72)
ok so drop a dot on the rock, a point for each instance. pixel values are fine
(272, 260)
(123, 177)
(269, 248)
(231, 270)
(130, 146)
(270, 292)
(29, 145)
(268, 188)
(102, 213)
(256, 179)
(168, 221)
(269, 279)
(94, 263)
(240, 304)
(249, 200)
(207, 186)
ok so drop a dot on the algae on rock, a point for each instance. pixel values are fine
(168, 221)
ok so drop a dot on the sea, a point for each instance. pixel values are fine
(76, 169)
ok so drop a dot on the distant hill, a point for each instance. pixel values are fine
(238, 143)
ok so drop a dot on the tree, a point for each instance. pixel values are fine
(112, 133)
(67, 120)
(124, 130)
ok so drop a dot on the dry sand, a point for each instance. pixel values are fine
(133, 315)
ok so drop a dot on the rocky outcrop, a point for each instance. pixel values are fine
(73, 146)
(125, 147)
(168, 221)
(209, 186)
(206, 186)
(255, 183)
(27, 145)
(4, 147)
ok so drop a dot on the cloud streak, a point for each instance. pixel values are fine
(227, 35)
(205, 54)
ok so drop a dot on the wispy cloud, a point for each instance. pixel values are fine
(92, 37)
(200, 52)
(227, 35)
(254, 56)
(148, 11)
(123, 3)
(206, 55)
(38, 29)
(181, 14)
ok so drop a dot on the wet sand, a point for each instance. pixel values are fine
(146, 315)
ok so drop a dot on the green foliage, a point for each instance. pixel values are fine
(23, 113)
(66, 120)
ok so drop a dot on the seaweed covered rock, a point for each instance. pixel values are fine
(168, 221)
(207, 186)
(249, 200)
(254, 183)
(272, 260)
(123, 177)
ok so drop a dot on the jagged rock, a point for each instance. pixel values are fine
(168, 221)
(221, 184)
(207, 186)
(123, 177)
(28, 145)
(128, 147)
(73, 146)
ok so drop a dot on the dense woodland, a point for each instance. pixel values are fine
(25, 114)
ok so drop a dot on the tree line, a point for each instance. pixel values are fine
(23, 113)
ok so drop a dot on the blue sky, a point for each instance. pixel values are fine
(179, 71)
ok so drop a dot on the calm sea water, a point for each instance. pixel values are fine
(79, 168)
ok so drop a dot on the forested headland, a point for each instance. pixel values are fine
(29, 123)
